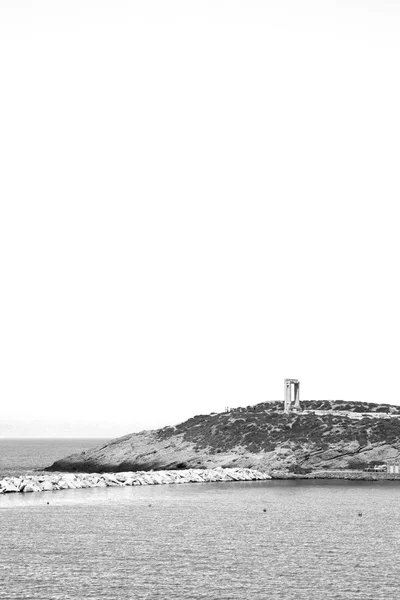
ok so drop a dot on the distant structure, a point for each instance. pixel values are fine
(393, 467)
(288, 407)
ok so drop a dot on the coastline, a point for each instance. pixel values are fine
(61, 481)
(44, 482)
(336, 474)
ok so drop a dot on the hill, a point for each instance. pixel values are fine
(339, 435)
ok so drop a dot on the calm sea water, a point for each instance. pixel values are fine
(19, 456)
(286, 540)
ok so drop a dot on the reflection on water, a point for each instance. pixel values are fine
(203, 541)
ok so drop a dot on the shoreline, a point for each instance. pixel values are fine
(336, 474)
(44, 482)
(62, 481)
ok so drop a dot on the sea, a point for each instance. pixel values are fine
(28, 455)
(266, 540)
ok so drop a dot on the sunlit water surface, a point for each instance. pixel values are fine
(263, 540)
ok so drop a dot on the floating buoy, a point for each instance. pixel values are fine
(360, 514)
(264, 510)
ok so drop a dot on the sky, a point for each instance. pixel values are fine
(197, 200)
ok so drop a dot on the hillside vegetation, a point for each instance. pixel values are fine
(263, 426)
(256, 436)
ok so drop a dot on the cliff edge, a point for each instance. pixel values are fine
(326, 435)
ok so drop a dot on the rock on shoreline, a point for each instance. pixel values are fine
(58, 481)
(343, 474)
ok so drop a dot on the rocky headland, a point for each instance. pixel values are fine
(326, 436)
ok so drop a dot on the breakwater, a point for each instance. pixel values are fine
(62, 481)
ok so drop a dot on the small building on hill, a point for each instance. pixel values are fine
(381, 468)
(393, 467)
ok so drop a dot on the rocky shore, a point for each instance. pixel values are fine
(335, 474)
(63, 481)
(325, 435)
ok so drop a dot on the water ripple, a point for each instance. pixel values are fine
(199, 541)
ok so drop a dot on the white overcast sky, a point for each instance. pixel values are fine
(198, 199)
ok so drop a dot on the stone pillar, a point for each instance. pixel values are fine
(297, 396)
(288, 396)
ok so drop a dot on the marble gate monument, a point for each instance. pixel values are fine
(288, 406)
